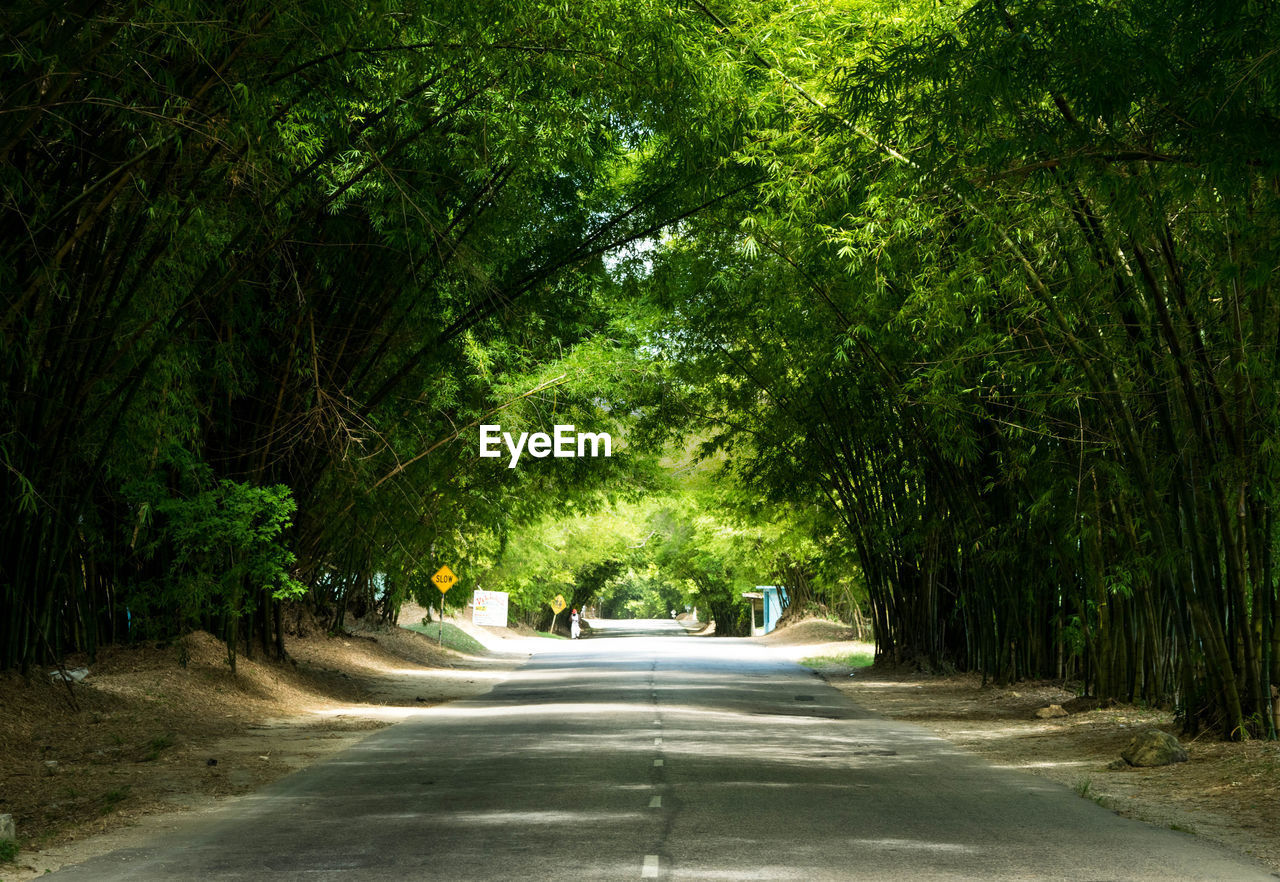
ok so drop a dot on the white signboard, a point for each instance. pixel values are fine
(489, 608)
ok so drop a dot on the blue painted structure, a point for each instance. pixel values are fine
(767, 603)
(775, 597)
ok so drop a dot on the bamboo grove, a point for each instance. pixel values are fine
(1006, 304)
(979, 294)
(267, 264)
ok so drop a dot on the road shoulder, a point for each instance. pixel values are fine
(152, 744)
(1225, 792)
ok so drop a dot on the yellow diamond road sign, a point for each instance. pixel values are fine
(557, 605)
(444, 579)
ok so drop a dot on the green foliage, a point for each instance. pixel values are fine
(314, 247)
(226, 552)
(696, 540)
(647, 594)
(231, 535)
(453, 637)
(1000, 306)
(848, 660)
(967, 309)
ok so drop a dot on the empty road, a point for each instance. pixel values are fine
(664, 757)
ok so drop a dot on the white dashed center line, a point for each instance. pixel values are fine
(657, 741)
(656, 802)
(657, 762)
(650, 870)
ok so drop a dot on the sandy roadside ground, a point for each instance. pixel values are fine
(154, 745)
(1227, 792)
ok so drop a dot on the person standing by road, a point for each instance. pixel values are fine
(574, 628)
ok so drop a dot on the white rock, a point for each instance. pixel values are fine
(74, 675)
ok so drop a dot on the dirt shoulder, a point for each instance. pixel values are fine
(149, 737)
(1226, 792)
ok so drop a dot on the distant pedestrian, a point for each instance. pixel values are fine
(574, 628)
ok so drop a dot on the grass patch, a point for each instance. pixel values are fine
(113, 798)
(155, 745)
(8, 851)
(454, 637)
(844, 660)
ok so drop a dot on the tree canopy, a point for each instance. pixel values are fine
(970, 306)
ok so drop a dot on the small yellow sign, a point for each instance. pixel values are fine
(444, 579)
(557, 605)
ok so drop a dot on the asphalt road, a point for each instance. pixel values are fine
(665, 757)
